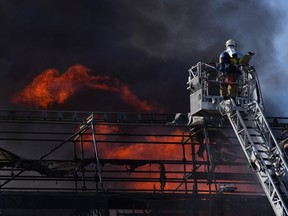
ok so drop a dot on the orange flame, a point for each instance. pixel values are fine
(154, 150)
(140, 151)
(50, 88)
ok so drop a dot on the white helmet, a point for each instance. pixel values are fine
(230, 42)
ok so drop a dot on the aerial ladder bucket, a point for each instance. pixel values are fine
(245, 113)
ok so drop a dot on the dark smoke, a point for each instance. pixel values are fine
(147, 44)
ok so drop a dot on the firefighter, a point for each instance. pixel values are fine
(229, 59)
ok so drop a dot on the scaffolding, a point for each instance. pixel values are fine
(93, 163)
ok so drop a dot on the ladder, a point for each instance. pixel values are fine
(261, 149)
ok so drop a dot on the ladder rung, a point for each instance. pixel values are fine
(240, 131)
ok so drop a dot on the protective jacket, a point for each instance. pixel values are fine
(227, 58)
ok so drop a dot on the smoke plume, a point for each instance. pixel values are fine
(149, 45)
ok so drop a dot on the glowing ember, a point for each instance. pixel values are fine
(52, 88)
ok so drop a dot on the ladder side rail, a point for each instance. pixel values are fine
(266, 179)
(243, 135)
(276, 154)
(268, 185)
(265, 132)
(263, 122)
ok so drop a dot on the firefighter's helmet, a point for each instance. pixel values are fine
(230, 42)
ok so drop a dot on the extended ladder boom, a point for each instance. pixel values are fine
(261, 149)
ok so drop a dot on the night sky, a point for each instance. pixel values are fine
(148, 45)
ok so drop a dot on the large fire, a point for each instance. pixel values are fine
(52, 88)
(152, 148)
(115, 143)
